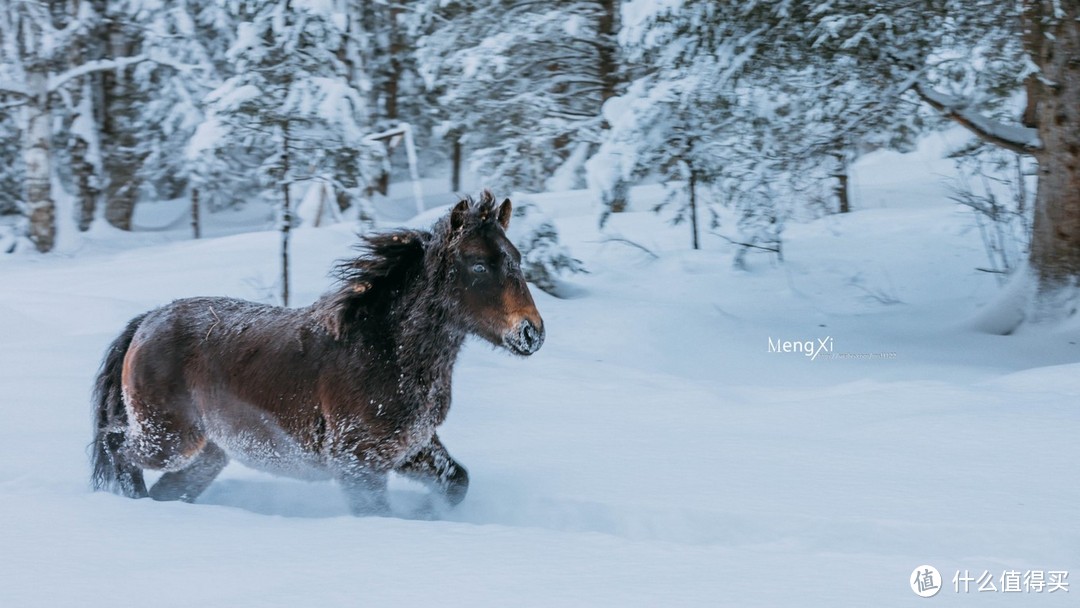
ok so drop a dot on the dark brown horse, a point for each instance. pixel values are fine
(349, 388)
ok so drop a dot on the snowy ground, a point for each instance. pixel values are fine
(653, 453)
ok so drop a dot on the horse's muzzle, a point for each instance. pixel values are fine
(526, 338)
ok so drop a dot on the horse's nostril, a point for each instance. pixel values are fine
(531, 336)
(526, 338)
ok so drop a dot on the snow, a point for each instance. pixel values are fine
(208, 135)
(567, 177)
(317, 206)
(637, 14)
(229, 96)
(1006, 312)
(653, 453)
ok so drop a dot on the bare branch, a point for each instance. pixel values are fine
(625, 241)
(1016, 138)
(747, 245)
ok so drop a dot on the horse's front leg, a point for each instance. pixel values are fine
(365, 490)
(434, 467)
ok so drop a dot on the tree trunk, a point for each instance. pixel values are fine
(607, 50)
(120, 158)
(40, 208)
(286, 214)
(607, 56)
(196, 228)
(82, 146)
(842, 194)
(82, 140)
(83, 172)
(455, 169)
(1054, 45)
(693, 207)
(395, 50)
(614, 200)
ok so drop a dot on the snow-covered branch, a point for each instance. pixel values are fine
(13, 104)
(10, 88)
(1017, 138)
(104, 65)
(101, 65)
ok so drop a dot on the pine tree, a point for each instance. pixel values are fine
(291, 98)
(523, 84)
(188, 41)
(796, 90)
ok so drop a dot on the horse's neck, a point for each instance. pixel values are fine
(426, 347)
(427, 341)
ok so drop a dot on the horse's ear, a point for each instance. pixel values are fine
(457, 216)
(504, 213)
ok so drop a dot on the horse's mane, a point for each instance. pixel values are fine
(390, 260)
(366, 284)
(384, 260)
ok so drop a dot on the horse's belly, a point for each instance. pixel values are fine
(266, 447)
(272, 458)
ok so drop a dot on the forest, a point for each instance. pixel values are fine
(751, 112)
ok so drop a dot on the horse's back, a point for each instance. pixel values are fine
(173, 342)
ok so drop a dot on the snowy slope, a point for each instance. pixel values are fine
(653, 453)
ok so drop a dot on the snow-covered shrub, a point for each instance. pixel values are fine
(544, 261)
(998, 186)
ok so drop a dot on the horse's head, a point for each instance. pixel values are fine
(495, 302)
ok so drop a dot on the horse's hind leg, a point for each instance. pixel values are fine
(190, 481)
(129, 478)
(434, 467)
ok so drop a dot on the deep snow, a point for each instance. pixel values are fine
(653, 453)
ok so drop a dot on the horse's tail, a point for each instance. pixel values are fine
(111, 469)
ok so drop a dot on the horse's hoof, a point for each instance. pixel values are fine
(457, 485)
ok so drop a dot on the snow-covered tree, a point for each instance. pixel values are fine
(544, 260)
(967, 60)
(694, 120)
(794, 90)
(77, 148)
(31, 45)
(12, 97)
(189, 40)
(379, 52)
(964, 59)
(55, 71)
(522, 84)
(1052, 42)
(291, 98)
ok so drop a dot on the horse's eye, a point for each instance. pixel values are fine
(479, 268)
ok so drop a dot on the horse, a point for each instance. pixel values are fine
(350, 388)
